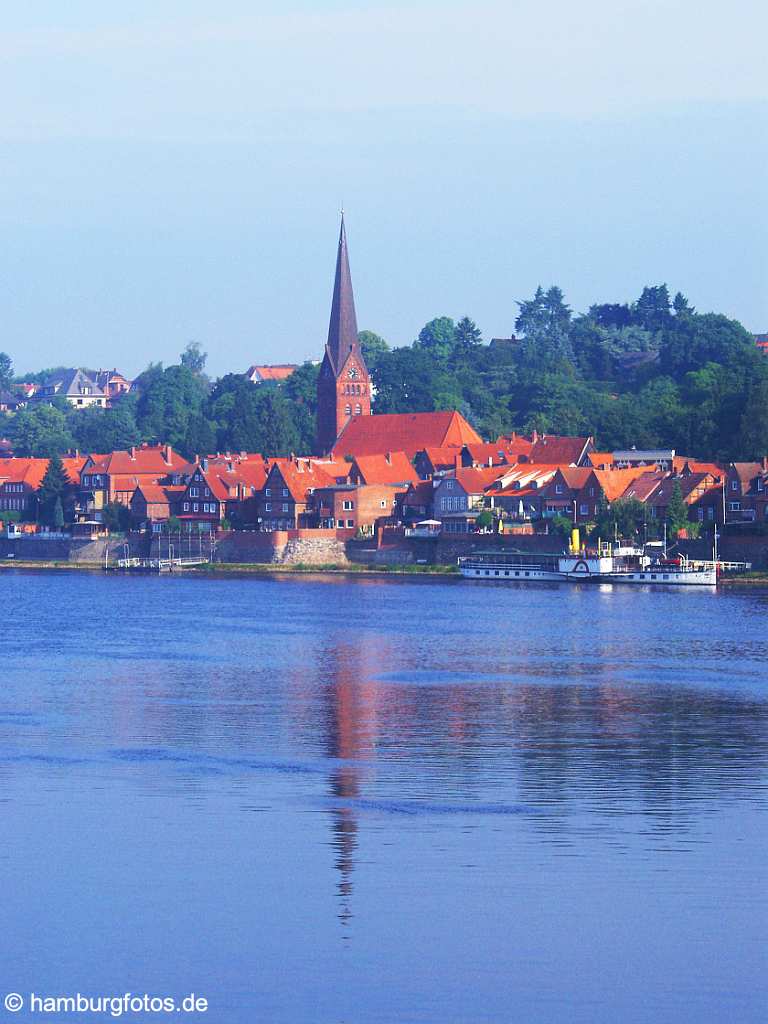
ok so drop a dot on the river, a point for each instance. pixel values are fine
(378, 800)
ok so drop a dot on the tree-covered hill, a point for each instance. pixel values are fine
(650, 373)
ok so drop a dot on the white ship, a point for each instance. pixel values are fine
(611, 563)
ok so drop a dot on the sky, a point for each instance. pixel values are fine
(174, 171)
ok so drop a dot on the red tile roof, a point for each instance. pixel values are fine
(556, 450)
(23, 471)
(407, 432)
(280, 371)
(637, 482)
(391, 468)
(300, 475)
(147, 460)
(476, 481)
(155, 494)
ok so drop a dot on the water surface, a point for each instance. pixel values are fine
(386, 800)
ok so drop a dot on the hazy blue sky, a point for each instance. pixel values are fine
(173, 170)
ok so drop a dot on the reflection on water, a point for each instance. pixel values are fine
(387, 800)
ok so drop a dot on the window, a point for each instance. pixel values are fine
(583, 510)
(700, 513)
(268, 506)
(734, 506)
(205, 507)
(193, 492)
(347, 410)
(213, 506)
(358, 409)
(186, 506)
(711, 512)
(449, 485)
(734, 485)
(591, 492)
(384, 505)
(285, 507)
(207, 492)
(194, 506)
(350, 524)
(268, 491)
(285, 492)
(558, 488)
(348, 505)
(340, 524)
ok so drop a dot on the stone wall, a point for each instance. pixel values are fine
(283, 547)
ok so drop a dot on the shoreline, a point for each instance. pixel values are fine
(269, 569)
(247, 569)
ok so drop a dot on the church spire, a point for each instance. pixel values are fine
(342, 330)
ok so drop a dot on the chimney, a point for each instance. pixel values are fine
(243, 455)
(457, 462)
(490, 461)
(133, 453)
(167, 453)
(204, 463)
(534, 436)
(388, 458)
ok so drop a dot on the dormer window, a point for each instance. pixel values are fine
(558, 488)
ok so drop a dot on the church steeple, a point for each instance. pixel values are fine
(344, 386)
(342, 329)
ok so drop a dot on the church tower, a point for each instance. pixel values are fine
(343, 387)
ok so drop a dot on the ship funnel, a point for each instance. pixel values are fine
(575, 541)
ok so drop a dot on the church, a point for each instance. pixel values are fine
(344, 386)
(345, 424)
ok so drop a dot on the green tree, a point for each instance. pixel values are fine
(438, 337)
(651, 310)
(105, 430)
(40, 432)
(194, 359)
(116, 517)
(468, 335)
(372, 345)
(168, 402)
(6, 370)
(624, 518)
(52, 491)
(58, 515)
(677, 511)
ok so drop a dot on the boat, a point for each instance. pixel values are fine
(617, 562)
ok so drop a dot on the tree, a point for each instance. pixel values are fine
(40, 432)
(58, 514)
(116, 517)
(623, 518)
(168, 400)
(485, 520)
(52, 491)
(372, 345)
(105, 430)
(468, 335)
(6, 370)
(651, 310)
(438, 336)
(677, 511)
(681, 305)
(193, 358)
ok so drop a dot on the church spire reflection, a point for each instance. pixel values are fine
(351, 722)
